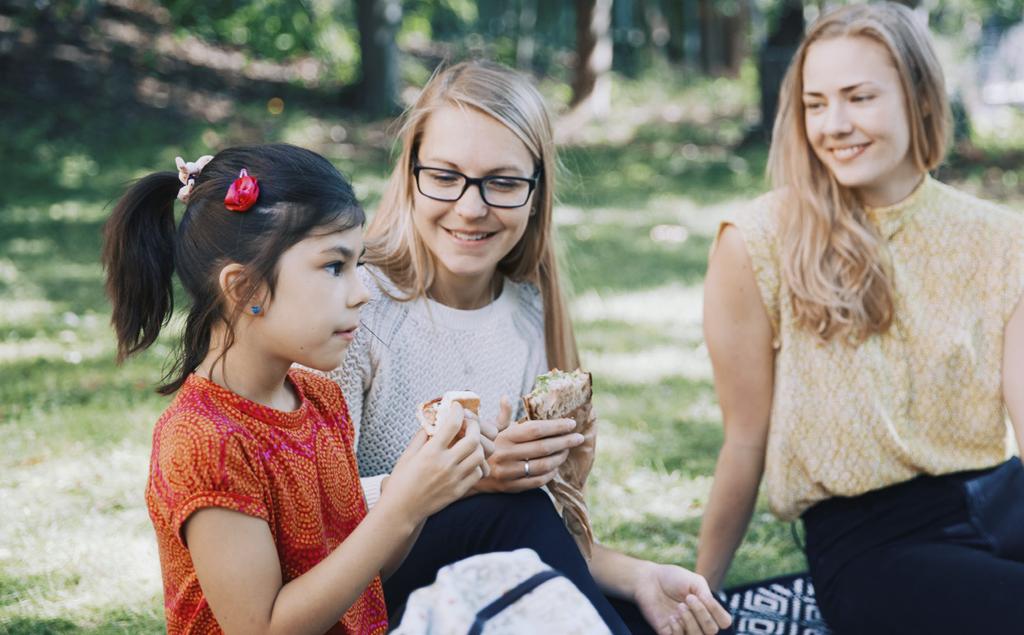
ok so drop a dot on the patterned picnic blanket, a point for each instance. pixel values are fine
(778, 606)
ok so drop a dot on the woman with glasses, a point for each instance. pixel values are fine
(466, 294)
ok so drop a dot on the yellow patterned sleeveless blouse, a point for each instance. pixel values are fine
(923, 398)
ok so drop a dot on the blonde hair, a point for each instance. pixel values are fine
(392, 243)
(834, 260)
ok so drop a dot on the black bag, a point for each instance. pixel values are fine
(995, 501)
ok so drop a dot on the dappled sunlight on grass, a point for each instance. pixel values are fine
(673, 306)
(89, 547)
(649, 365)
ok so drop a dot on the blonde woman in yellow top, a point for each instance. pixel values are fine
(865, 329)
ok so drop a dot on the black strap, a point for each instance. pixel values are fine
(796, 536)
(509, 598)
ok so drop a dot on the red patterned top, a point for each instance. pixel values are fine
(295, 470)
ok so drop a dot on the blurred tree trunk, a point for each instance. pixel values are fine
(675, 18)
(378, 22)
(736, 23)
(626, 38)
(658, 33)
(710, 38)
(591, 86)
(723, 35)
(525, 43)
(774, 58)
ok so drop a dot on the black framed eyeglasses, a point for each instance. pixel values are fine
(505, 192)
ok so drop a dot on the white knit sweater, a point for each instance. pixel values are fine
(426, 348)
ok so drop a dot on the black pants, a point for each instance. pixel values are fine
(504, 522)
(911, 559)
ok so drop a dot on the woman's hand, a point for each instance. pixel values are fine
(527, 455)
(429, 475)
(675, 601)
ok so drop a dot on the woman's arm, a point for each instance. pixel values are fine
(739, 340)
(1013, 372)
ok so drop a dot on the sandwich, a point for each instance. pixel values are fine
(567, 395)
(428, 412)
(557, 394)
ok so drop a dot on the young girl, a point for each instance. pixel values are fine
(465, 294)
(866, 331)
(253, 489)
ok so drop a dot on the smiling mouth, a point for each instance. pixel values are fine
(849, 152)
(469, 236)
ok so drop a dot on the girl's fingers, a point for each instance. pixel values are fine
(418, 440)
(448, 424)
(473, 461)
(485, 467)
(469, 480)
(487, 445)
(468, 444)
(489, 430)
(504, 414)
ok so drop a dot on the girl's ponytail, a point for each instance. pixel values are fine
(300, 193)
(138, 255)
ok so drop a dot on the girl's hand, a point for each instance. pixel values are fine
(489, 429)
(545, 444)
(430, 475)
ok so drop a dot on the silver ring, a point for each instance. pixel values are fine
(526, 468)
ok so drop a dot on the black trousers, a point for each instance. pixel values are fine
(504, 522)
(914, 558)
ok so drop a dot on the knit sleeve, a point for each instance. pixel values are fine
(757, 223)
(199, 464)
(371, 488)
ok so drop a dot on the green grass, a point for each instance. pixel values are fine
(636, 217)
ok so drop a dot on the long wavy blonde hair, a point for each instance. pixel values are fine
(834, 260)
(392, 243)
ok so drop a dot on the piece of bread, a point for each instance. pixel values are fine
(428, 411)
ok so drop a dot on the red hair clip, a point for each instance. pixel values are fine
(243, 192)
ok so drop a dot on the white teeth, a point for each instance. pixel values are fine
(848, 152)
(462, 236)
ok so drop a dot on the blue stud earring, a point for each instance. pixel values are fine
(255, 309)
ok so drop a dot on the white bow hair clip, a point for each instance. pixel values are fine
(187, 171)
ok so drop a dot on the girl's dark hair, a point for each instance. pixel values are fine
(300, 193)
